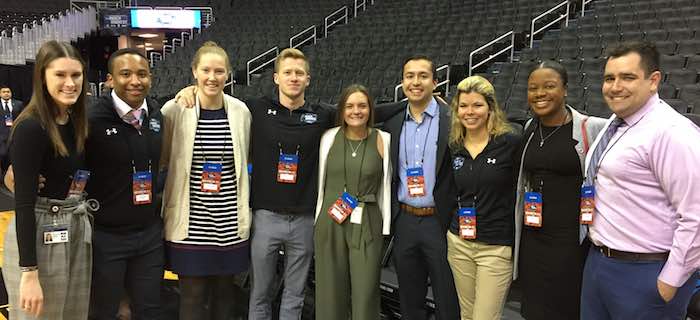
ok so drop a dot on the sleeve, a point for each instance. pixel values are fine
(30, 144)
(385, 111)
(167, 135)
(676, 148)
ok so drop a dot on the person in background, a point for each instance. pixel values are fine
(11, 108)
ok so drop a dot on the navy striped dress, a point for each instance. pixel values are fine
(212, 246)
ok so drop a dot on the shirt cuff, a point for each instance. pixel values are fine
(675, 275)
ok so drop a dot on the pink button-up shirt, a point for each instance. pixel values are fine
(648, 189)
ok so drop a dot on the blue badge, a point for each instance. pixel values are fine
(309, 118)
(154, 125)
(457, 162)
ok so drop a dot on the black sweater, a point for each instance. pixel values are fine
(111, 147)
(32, 154)
(491, 177)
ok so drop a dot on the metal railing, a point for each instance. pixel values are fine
(445, 82)
(230, 84)
(510, 48)
(583, 6)
(343, 17)
(274, 49)
(305, 40)
(360, 4)
(99, 4)
(153, 57)
(564, 16)
(207, 15)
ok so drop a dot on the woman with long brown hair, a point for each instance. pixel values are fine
(48, 251)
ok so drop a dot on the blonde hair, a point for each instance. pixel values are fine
(497, 123)
(294, 54)
(210, 47)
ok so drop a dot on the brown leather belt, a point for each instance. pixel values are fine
(420, 212)
(631, 256)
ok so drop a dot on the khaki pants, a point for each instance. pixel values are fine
(482, 274)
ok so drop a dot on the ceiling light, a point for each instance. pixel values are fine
(148, 35)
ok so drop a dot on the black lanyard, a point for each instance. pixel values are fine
(197, 136)
(345, 167)
(405, 138)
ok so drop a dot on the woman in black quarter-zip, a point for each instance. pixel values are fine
(481, 235)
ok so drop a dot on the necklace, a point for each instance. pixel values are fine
(354, 149)
(543, 138)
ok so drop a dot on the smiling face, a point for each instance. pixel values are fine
(626, 88)
(356, 110)
(473, 111)
(292, 77)
(211, 74)
(131, 79)
(418, 81)
(64, 81)
(545, 92)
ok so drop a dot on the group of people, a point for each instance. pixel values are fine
(599, 219)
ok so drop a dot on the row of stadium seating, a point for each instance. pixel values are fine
(580, 48)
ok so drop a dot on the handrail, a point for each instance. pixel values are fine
(312, 37)
(445, 82)
(177, 42)
(362, 4)
(207, 16)
(182, 36)
(583, 6)
(563, 16)
(511, 47)
(275, 49)
(100, 88)
(168, 46)
(327, 25)
(153, 56)
(230, 83)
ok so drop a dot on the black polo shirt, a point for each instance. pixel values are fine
(491, 178)
(276, 129)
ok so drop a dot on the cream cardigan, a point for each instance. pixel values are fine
(384, 193)
(179, 128)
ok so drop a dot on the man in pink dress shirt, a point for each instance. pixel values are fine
(646, 225)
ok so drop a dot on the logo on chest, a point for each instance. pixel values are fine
(154, 125)
(309, 118)
(272, 112)
(111, 131)
(491, 160)
(457, 163)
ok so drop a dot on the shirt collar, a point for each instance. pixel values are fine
(639, 114)
(431, 109)
(305, 107)
(123, 108)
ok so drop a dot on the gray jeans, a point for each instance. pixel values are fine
(272, 232)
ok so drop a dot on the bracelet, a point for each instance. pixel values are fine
(29, 269)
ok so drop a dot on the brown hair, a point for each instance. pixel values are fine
(340, 119)
(42, 106)
(497, 123)
(646, 50)
(294, 54)
(210, 47)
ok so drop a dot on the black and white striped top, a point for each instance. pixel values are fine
(213, 216)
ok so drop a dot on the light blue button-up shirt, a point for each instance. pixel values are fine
(418, 148)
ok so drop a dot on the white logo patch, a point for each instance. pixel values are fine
(111, 131)
(272, 112)
(491, 160)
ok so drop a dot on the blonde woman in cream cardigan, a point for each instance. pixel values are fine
(352, 211)
(205, 202)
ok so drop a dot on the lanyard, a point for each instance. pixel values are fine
(279, 145)
(346, 141)
(405, 142)
(201, 142)
(133, 165)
